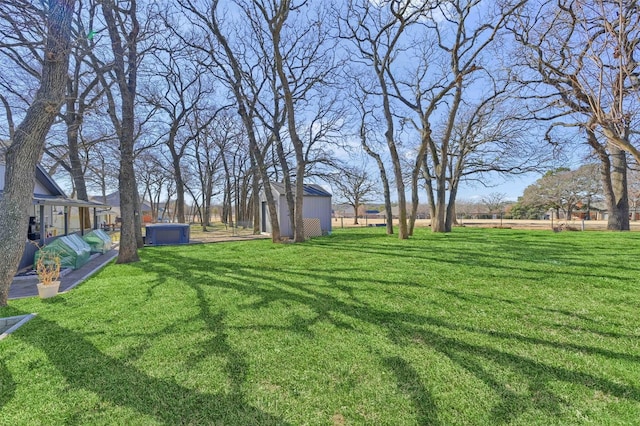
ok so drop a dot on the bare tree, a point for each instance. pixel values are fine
(445, 78)
(205, 160)
(28, 140)
(210, 38)
(124, 30)
(83, 94)
(377, 32)
(445, 46)
(152, 173)
(353, 185)
(494, 201)
(177, 88)
(489, 139)
(365, 142)
(579, 60)
(303, 59)
(227, 141)
(102, 168)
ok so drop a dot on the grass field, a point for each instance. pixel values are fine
(480, 326)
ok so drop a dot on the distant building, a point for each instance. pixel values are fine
(111, 217)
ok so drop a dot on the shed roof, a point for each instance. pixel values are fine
(310, 189)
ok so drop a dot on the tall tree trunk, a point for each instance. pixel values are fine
(177, 172)
(236, 83)
(438, 221)
(74, 120)
(456, 174)
(614, 182)
(206, 205)
(403, 232)
(425, 139)
(450, 216)
(386, 188)
(228, 200)
(383, 177)
(619, 204)
(356, 206)
(237, 200)
(255, 188)
(276, 27)
(286, 176)
(137, 216)
(415, 200)
(74, 115)
(126, 78)
(298, 235)
(28, 142)
(426, 174)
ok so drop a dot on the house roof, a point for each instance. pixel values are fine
(113, 199)
(51, 200)
(47, 181)
(61, 200)
(42, 177)
(310, 189)
(54, 196)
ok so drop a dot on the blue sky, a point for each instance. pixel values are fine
(512, 188)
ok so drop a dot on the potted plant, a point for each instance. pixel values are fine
(48, 270)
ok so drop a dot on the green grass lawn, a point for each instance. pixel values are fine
(480, 326)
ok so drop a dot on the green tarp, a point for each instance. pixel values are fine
(71, 249)
(99, 241)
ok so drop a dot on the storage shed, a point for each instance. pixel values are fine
(316, 208)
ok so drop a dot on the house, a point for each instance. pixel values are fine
(111, 217)
(422, 212)
(343, 211)
(316, 204)
(52, 214)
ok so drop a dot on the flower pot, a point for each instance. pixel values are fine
(49, 290)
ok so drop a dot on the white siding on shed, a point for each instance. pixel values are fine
(319, 207)
(316, 204)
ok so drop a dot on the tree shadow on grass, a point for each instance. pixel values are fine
(218, 344)
(487, 250)
(595, 325)
(409, 382)
(114, 380)
(7, 384)
(265, 287)
(501, 263)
